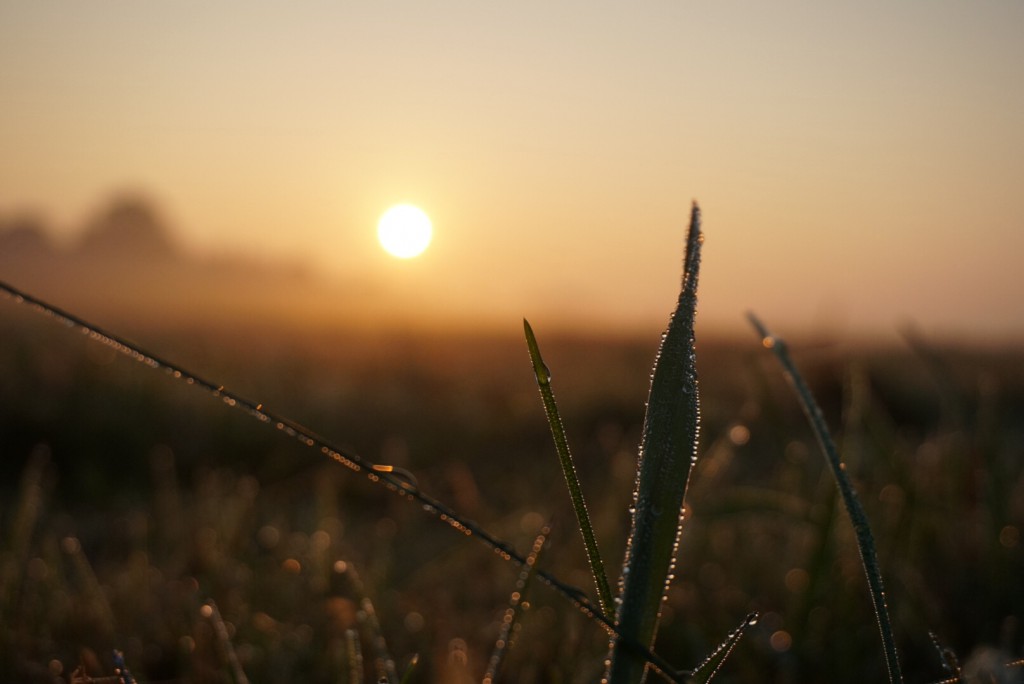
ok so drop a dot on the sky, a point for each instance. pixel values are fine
(859, 165)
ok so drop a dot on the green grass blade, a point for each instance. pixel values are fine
(667, 453)
(368, 620)
(707, 670)
(604, 592)
(865, 540)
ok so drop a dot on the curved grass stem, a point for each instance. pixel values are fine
(865, 540)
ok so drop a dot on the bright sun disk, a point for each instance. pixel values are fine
(404, 231)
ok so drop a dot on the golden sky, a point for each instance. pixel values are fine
(860, 165)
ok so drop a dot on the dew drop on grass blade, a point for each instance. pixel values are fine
(705, 672)
(667, 451)
(950, 663)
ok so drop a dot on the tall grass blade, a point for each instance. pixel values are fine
(367, 618)
(516, 605)
(604, 592)
(667, 453)
(865, 540)
(391, 478)
(706, 671)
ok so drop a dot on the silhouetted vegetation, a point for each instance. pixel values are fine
(132, 501)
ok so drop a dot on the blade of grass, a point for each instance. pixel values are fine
(707, 670)
(950, 662)
(865, 540)
(604, 592)
(367, 619)
(515, 608)
(667, 453)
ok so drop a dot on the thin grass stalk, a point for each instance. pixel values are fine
(516, 606)
(391, 478)
(367, 617)
(950, 663)
(212, 613)
(383, 662)
(668, 451)
(604, 592)
(862, 529)
(706, 671)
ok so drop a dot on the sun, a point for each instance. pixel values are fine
(404, 231)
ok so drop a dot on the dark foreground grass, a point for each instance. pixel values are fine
(132, 504)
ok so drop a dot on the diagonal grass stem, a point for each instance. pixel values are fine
(706, 670)
(517, 605)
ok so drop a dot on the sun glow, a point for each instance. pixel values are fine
(404, 231)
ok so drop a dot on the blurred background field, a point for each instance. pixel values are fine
(130, 500)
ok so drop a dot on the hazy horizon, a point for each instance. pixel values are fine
(858, 166)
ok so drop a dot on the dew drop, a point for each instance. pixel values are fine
(543, 374)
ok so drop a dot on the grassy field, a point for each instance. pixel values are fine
(130, 501)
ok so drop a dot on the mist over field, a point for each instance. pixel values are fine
(128, 264)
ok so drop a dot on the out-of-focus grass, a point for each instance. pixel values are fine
(130, 501)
